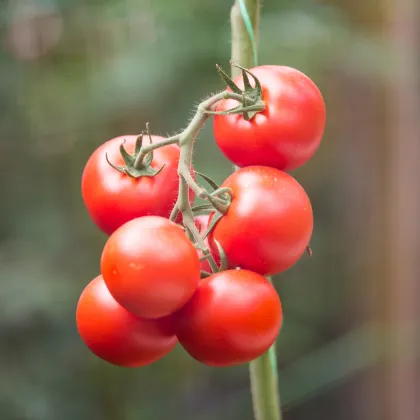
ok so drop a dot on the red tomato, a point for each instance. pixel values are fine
(150, 266)
(116, 335)
(269, 222)
(233, 318)
(202, 222)
(286, 134)
(113, 198)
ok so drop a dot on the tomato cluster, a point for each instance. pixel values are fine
(156, 287)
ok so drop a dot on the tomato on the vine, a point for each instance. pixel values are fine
(116, 335)
(233, 318)
(150, 266)
(284, 135)
(113, 198)
(268, 224)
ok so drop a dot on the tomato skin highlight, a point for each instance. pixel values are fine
(269, 222)
(150, 266)
(113, 198)
(233, 318)
(286, 134)
(116, 335)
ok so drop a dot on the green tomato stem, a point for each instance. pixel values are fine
(153, 146)
(242, 46)
(264, 388)
(186, 139)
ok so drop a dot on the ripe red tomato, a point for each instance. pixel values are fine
(269, 222)
(113, 198)
(202, 222)
(233, 318)
(150, 266)
(117, 336)
(286, 134)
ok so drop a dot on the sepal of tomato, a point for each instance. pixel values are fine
(133, 168)
(253, 93)
(118, 336)
(233, 318)
(286, 133)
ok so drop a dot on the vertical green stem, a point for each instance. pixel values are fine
(242, 44)
(244, 17)
(264, 388)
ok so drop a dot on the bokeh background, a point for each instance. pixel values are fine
(74, 73)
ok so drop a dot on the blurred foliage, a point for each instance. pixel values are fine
(75, 73)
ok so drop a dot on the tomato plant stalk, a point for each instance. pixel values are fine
(186, 139)
(263, 371)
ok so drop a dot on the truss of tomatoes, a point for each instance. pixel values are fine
(150, 294)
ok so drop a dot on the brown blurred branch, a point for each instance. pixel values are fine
(402, 202)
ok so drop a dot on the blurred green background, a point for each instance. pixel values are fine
(75, 73)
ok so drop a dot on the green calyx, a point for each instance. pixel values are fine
(252, 101)
(135, 167)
